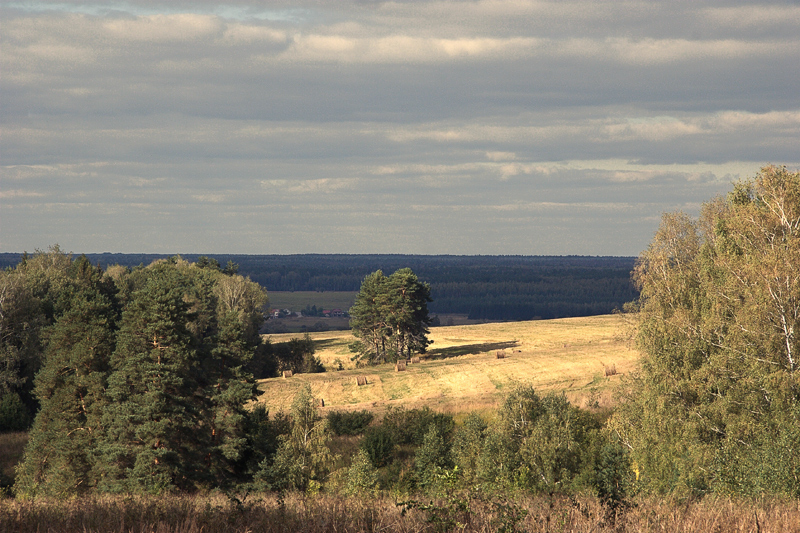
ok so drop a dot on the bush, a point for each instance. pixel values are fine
(613, 476)
(379, 444)
(432, 457)
(362, 478)
(14, 416)
(349, 422)
(410, 426)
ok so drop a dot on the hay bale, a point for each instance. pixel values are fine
(610, 370)
(399, 366)
(361, 380)
(287, 373)
(501, 355)
(320, 402)
(415, 360)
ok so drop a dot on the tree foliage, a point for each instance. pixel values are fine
(390, 317)
(139, 374)
(303, 459)
(70, 388)
(716, 405)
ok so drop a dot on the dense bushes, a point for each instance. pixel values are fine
(349, 422)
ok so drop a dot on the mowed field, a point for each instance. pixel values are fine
(461, 371)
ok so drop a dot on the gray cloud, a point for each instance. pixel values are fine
(417, 127)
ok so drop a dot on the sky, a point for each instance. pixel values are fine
(413, 127)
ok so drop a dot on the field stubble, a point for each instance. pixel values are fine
(461, 371)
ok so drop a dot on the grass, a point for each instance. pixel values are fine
(329, 513)
(12, 446)
(462, 373)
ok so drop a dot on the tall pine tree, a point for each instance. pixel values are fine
(70, 388)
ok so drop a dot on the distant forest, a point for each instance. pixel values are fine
(482, 287)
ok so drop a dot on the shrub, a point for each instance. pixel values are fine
(14, 415)
(349, 422)
(467, 445)
(379, 444)
(432, 457)
(362, 477)
(409, 426)
(613, 478)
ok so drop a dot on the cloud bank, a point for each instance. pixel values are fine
(459, 127)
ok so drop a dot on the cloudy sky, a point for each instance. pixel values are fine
(458, 127)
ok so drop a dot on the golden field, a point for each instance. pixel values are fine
(461, 371)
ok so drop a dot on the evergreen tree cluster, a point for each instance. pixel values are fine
(137, 377)
(390, 317)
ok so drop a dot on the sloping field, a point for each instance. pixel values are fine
(461, 372)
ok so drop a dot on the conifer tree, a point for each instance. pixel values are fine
(151, 439)
(178, 388)
(390, 317)
(70, 388)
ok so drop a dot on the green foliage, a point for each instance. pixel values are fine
(536, 444)
(362, 476)
(467, 446)
(297, 355)
(390, 317)
(263, 438)
(379, 445)
(432, 457)
(70, 387)
(349, 422)
(718, 316)
(613, 477)
(409, 426)
(139, 373)
(304, 458)
(14, 415)
(453, 512)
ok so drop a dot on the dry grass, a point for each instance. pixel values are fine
(462, 373)
(324, 513)
(12, 446)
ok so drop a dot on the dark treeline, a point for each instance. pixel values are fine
(483, 287)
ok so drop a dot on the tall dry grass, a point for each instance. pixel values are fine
(324, 513)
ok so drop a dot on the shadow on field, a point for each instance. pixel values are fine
(469, 349)
(325, 343)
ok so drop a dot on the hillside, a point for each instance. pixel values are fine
(461, 372)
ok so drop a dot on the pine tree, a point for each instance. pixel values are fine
(152, 440)
(368, 321)
(390, 317)
(70, 389)
(178, 388)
